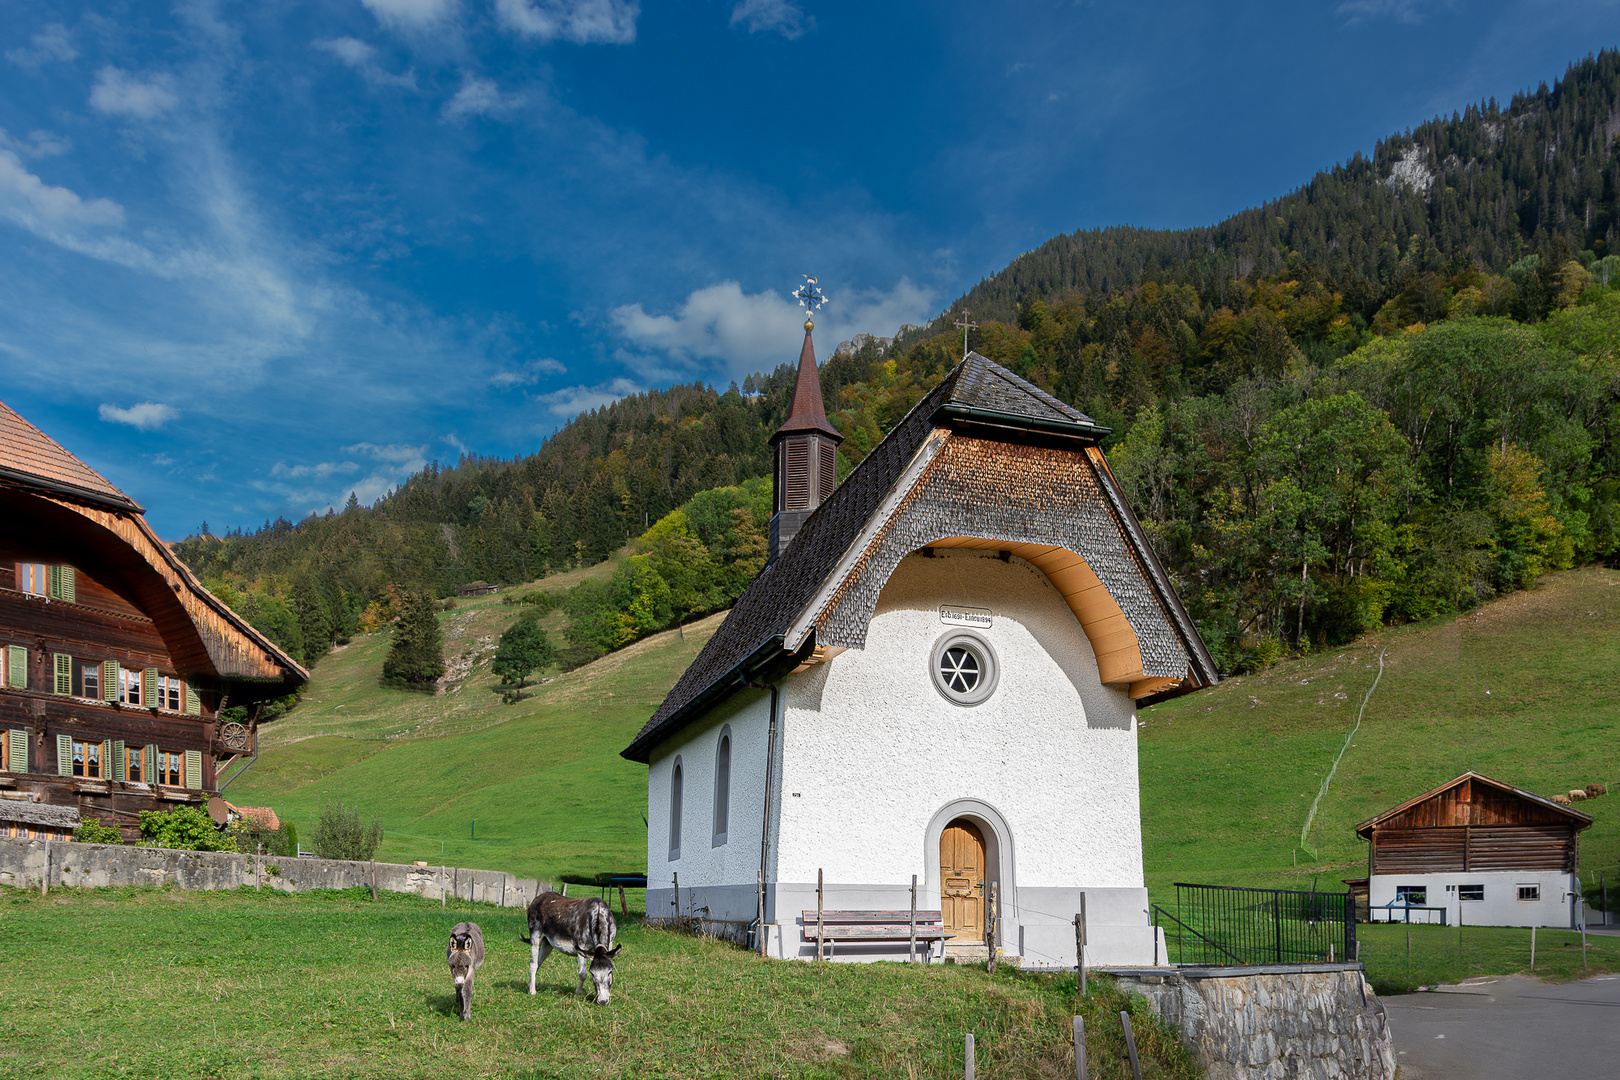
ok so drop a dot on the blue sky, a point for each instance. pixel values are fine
(254, 256)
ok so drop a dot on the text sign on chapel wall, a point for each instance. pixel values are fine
(952, 615)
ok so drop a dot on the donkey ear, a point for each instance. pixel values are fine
(615, 950)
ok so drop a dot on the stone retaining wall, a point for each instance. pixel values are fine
(23, 862)
(1278, 1022)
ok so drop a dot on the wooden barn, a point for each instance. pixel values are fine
(1474, 849)
(116, 665)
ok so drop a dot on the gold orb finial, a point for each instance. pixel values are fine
(808, 326)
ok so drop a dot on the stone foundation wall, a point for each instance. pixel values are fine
(23, 863)
(1282, 1022)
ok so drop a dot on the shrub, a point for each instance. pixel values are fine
(185, 828)
(92, 831)
(339, 834)
(524, 648)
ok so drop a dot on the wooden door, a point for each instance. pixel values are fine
(961, 881)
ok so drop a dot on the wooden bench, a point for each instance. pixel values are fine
(866, 926)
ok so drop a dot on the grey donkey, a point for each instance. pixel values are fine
(466, 952)
(581, 927)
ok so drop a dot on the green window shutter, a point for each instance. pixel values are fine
(194, 769)
(63, 584)
(149, 765)
(17, 667)
(149, 688)
(193, 700)
(64, 673)
(64, 755)
(109, 680)
(19, 750)
(118, 761)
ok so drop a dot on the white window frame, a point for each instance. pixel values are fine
(1534, 889)
(984, 655)
(171, 693)
(34, 579)
(677, 777)
(722, 788)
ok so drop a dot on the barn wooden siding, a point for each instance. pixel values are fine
(1474, 823)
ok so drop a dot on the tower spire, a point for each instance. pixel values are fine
(806, 444)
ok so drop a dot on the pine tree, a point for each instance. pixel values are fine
(417, 659)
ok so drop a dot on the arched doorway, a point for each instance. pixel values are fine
(962, 880)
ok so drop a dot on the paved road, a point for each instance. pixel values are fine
(1508, 1029)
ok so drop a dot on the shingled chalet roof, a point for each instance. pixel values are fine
(79, 508)
(761, 634)
(27, 453)
(807, 412)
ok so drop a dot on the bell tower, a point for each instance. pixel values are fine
(806, 444)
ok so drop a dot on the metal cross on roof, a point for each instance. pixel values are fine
(810, 298)
(966, 325)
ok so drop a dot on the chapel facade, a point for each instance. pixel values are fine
(936, 675)
(116, 664)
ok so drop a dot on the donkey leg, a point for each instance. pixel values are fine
(538, 951)
(584, 967)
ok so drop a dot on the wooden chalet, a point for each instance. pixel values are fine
(1474, 849)
(115, 663)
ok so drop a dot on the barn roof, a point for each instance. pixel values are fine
(1581, 821)
(802, 601)
(56, 502)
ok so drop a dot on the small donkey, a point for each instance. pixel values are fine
(466, 952)
(581, 927)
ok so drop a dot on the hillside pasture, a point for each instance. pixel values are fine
(157, 984)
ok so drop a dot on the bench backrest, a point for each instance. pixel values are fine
(861, 918)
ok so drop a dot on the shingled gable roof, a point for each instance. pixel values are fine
(30, 455)
(807, 412)
(1582, 820)
(753, 637)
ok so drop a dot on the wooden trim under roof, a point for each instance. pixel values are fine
(1465, 818)
(1119, 653)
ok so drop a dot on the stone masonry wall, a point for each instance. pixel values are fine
(22, 862)
(1285, 1022)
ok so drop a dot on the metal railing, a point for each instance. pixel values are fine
(1222, 925)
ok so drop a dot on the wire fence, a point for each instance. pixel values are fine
(1222, 925)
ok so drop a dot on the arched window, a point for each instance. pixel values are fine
(675, 812)
(722, 787)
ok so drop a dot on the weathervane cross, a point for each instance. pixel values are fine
(966, 325)
(810, 298)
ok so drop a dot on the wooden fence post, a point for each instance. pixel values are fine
(913, 953)
(258, 865)
(967, 1057)
(441, 886)
(819, 930)
(1080, 1049)
(990, 929)
(1080, 942)
(1532, 947)
(373, 881)
(1130, 1044)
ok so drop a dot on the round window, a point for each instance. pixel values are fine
(964, 667)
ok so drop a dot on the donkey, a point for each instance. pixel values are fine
(581, 927)
(466, 952)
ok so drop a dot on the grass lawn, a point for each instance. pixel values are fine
(1525, 690)
(148, 983)
(1440, 954)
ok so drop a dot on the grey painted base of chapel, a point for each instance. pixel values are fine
(1037, 926)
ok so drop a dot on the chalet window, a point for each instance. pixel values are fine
(1470, 892)
(171, 768)
(33, 578)
(129, 686)
(722, 787)
(1412, 895)
(1529, 892)
(133, 760)
(170, 693)
(87, 759)
(16, 662)
(964, 668)
(675, 811)
(86, 679)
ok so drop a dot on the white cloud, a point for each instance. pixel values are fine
(610, 22)
(320, 470)
(51, 43)
(412, 457)
(48, 211)
(120, 93)
(479, 97)
(529, 373)
(39, 144)
(1409, 12)
(577, 399)
(757, 332)
(363, 58)
(772, 16)
(409, 13)
(147, 416)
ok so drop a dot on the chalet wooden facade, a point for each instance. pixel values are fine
(1478, 850)
(115, 662)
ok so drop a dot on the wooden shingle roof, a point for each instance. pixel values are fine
(28, 454)
(798, 603)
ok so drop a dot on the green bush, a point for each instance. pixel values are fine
(92, 831)
(185, 828)
(339, 834)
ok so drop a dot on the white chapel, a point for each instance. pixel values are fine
(936, 675)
